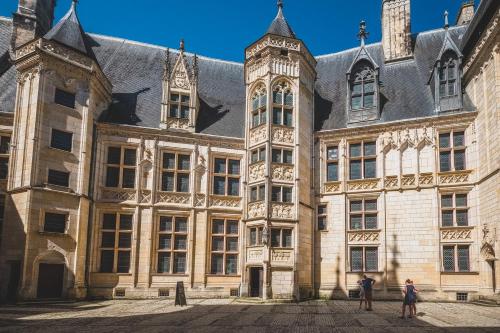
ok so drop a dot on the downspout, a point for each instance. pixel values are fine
(313, 196)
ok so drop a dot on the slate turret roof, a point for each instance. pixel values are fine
(279, 26)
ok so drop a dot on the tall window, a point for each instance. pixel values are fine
(454, 210)
(332, 164)
(283, 105)
(281, 238)
(257, 193)
(255, 238)
(363, 214)
(172, 244)
(4, 156)
(258, 155)
(120, 168)
(362, 160)
(116, 243)
(61, 140)
(452, 151)
(322, 217)
(259, 107)
(284, 156)
(179, 105)
(175, 172)
(55, 222)
(226, 176)
(448, 74)
(224, 247)
(364, 259)
(456, 258)
(363, 86)
(281, 194)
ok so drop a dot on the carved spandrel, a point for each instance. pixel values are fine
(282, 172)
(283, 135)
(256, 209)
(256, 172)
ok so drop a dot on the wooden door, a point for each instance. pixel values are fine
(50, 280)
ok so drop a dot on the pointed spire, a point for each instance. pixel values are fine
(74, 3)
(446, 22)
(280, 26)
(363, 34)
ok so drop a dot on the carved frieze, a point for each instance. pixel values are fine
(258, 135)
(145, 196)
(456, 234)
(282, 172)
(363, 236)
(174, 198)
(282, 210)
(408, 180)
(332, 187)
(225, 201)
(391, 182)
(426, 179)
(282, 257)
(256, 209)
(454, 177)
(255, 254)
(273, 41)
(282, 135)
(178, 123)
(408, 137)
(199, 200)
(118, 194)
(363, 184)
(256, 171)
(488, 243)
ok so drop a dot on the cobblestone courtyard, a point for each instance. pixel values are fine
(230, 316)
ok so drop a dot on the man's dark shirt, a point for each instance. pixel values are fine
(367, 283)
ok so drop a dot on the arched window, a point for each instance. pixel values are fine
(283, 104)
(363, 86)
(448, 73)
(259, 107)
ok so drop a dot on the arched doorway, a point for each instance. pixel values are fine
(51, 275)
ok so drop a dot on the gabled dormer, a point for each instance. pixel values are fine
(446, 79)
(180, 92)
(363, 84)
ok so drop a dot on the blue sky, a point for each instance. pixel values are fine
(223, 28)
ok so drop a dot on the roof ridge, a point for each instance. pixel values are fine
(346, 51)
(5, 18)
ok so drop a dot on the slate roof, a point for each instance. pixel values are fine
(135, 71)
(280, 26)
(7, 70)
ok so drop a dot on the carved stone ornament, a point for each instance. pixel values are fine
(391, 182)
(283, 257)
(364, 184)
(174, 198)
(455, 177)
(256, 172)
(408, 180)
(256, 209)
(282, 172)
(456, 234)
(488, 244)
(118, 194)
(332, 187)
(426, 179)
(282, 211)
(225, 201)
(258, 135)
(145, 196)
(282, 135)
(178, 123)
(199, 200)
(363, 236)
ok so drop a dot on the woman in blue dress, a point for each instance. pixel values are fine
(410, 296)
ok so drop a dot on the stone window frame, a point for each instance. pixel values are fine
(176, 171)
(282, 105)
(225, 235)
(364, 259)
(282, 237)
(121, 166)
(179, 103)
(448, 60)
(456, 259)
(53, 132)
(116, 247)
(259, 153)
(172, 251)
(43, 214)
(281, 193)
(452, 149)
(362, 158)
(330, 161)
(226, 175)
(258, 106)
(258, 235)
(322, 213)
(454, 208)
(4, 155)
(260, 193)
(364, 212)
(282, 155)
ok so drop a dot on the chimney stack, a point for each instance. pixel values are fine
(32, 20)
(466, 12)
(396, 30)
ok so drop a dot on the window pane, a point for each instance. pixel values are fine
(108, 239)
(255, 103)
(220, 185)
(179, 263)
(355, 150)
(124, 240)
(180, 224)
(277, 113)
(123, 265)
(461, 200)
(129, 157)
(163, 262)
(445, 161)
(275, 237)
(332, 172)
(262, 192)
(370, 149)
(355, 169)
(356, 222)
(287, 194)
(107, 261)
(451, 88)
(356, 206)
(128, 180)
(184, 112)
(109, 221)
(165, 242)
(462, 218)
(458, 139)
(288, 120)
(167, 181)
(255, 119)
(356, 89)
(174, 110)
(449, 258)
(125, 222)
(459, 159)
(183, 183)
(276, 155)
(174, 97)
(183, 162)
(371, 221)
(112, 176)
(370, 168)
(180, 242)
(168, 161)
(322, 210)
(231, 264)
(356, 103)
(59, 178)
(65, 98)
(287, 238)
(54, 223)
(356, 259)
(234, 167)
(447, 218)
(232, 244)
(463, 258)
(451, 72)
(369, 87)
(442, 89)
(60, 140)
(220, 165)
(232, 227)
(165, 223)
(218, 243)
(233, 186)
(322, 223)
(368, 101)
(287, 156)
(253, 236)
(217, 263)
(277, 97)
(263, 100)
(255, 156)
(218, 227)
(371, 205)
(447, 200)
(276, 194)
(253, 193)
(262, 154)
(184, 98)
(289, 98)
(332, 153)
(444, 140)
(371, 257)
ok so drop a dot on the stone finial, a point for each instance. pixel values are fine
(363, 34)
(181, 46)
(280, 4)
(446, 21)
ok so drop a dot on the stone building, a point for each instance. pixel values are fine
(128, 167)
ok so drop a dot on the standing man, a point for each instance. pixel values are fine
(368, 287)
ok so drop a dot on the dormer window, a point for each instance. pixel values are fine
(179, 106)
(448, 75)
(363, 87)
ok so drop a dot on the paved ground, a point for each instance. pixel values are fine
(230, 316)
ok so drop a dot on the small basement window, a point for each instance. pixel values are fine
(462, 297)
(54, 222)
(119, 292)
(234, 292)
(59, 178)
(163, 292)
(353, 293)
(284, 52)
